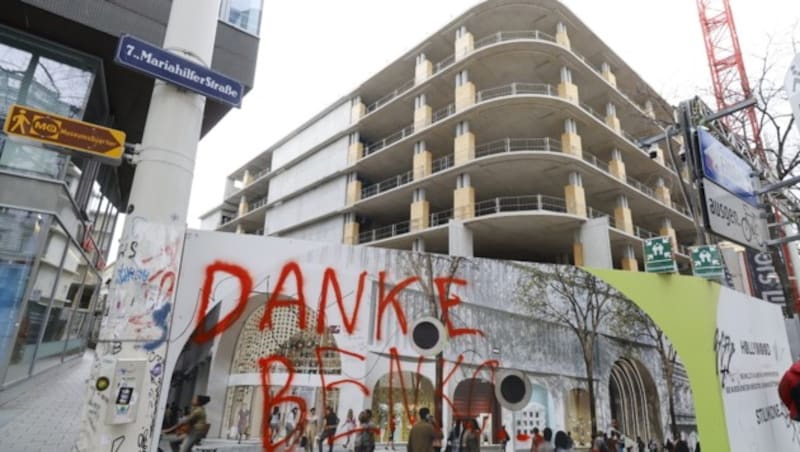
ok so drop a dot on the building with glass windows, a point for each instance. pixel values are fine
(511, 133)
(58, 211)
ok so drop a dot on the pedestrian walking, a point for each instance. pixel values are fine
(365, 439)
(312, 427)
(349, 426)
(329, 430)
(422, 434)
(536, 440)
(562, 442)
(243, 423)
(196, 422)
(454, 438)
(471, 438)
(547, 441)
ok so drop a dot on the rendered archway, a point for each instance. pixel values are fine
(286, 339)
(474, 399)
(395, 398)
(634, 400)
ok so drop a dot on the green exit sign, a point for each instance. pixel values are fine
(658, 255)
(707, 262)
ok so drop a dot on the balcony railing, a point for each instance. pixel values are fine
(256, 204)
(442, 163)
(519, 204)
(388, 184)
(502, 145)
(384, 232)
(494, 38)
(514, 89)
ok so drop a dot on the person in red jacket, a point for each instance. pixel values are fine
(789, 390)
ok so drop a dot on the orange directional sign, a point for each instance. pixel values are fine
(87, 138)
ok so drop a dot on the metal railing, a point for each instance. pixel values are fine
(443, 113)
(520, 203)
(388, 184)
(388, 97)
(258, 175)
(513, 89)
(517, 145)
(594, 161)
(384, 232)
(393, 138)
(440, 218)
(442, 163)
(256, 204)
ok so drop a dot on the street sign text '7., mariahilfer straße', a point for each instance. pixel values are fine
(89, 140)
(141, 56)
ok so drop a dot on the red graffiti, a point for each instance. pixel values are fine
(384, 300)
(271, 401)
(447, 302)
(330, 279)
(275, 301)
(246, 286)
(326, 387)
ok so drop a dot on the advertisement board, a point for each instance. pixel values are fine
(764, 281)
(725, 168)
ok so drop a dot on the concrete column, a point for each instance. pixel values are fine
(616, 166)
(422, 112)
(463, 144)
(423, 70)
(663, 193)
(353, 194)
(239, 229)
(574, 195)
(465, 43)
(622, 215)
(243, 206)
(561, 35)
(577, 250)
(656, 154)
(611, 117)
(351, 229)
(463, 198)
(422, 165)
(629, 261)
(596, 243)
(355, 150)
(247, 178)
(648, 109)
(567, 89)
(605, 71)
(465, 91)
(460, 241)
(357, 110)
(420, 211)
(570, 140)
(667, 230)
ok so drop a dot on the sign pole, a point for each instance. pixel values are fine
(126, 386)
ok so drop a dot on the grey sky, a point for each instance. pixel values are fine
(313, 52)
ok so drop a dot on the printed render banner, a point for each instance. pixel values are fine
(752, 355)
(296, 324)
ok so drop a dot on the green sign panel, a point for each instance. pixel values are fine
(707, 262)
(658, 255)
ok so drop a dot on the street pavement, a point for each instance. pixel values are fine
(43, 414)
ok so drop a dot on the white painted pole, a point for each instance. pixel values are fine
(132, 349)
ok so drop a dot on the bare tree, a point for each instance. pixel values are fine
(570, 296)
(428, 267)
(636, 324)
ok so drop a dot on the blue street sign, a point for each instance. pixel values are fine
(727, 169)
(156, 62)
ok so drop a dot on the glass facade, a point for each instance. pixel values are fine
(49, 261)
(244, 14)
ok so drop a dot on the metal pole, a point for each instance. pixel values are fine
(159, 200)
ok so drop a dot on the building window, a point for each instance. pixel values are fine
(244, 14)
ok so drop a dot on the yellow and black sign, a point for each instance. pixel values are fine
(102, 384)
(84, 137)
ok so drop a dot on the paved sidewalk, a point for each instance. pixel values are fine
(43, 414)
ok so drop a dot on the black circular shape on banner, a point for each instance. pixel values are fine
(102, 384)
(512, 388)
(425, 335)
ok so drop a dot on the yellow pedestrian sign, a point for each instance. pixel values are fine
(88, 139)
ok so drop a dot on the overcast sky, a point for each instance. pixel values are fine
(314, 52)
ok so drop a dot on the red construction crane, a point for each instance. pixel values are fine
(732, 86)
(727, 70)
